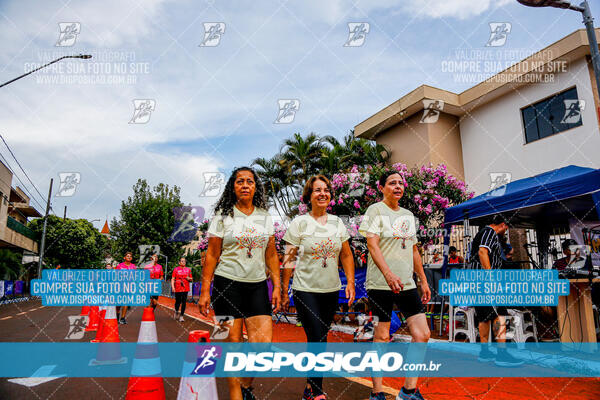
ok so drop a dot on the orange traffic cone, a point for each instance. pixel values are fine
(100, 332)
(109, 349)
(94, 319)
(191, 388)
(146, 382)
(85, 310)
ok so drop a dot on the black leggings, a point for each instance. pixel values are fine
(316, 311)
(180, 298)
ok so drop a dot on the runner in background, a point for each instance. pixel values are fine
(241, 239)
(126, 264)
(156, 272)
(180, 284)
(323, 239)
(453, 257)
(393, 258)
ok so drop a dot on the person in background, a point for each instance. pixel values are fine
(180, 284)
(453, 257)
(569, 257)
(486, 253)
(126, 264)
(156, 272)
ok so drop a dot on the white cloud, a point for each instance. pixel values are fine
(461, 9)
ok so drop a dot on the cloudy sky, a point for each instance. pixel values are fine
(214, 105)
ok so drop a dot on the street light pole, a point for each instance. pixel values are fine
(82, 56)
(588, 20)
(43, 241)
(589, 27)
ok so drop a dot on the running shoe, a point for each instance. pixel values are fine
(310, 395)
(485, 354)
(175, 315)
(247, 393)
(504, 359)
(377, 396)
(181, 318)
(409, 396)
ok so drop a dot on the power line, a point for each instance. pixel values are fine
(19, 164)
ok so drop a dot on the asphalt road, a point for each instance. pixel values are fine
(30, 322)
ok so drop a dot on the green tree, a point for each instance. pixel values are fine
(10, 264)
(301, 156)
(280, 189)
(147, 218)
(71, 243)
(352, 151)
(285, 174)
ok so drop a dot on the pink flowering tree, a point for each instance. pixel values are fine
(202, 232)
(279, 233)
(429, 191)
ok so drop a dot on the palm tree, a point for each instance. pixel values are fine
(280, 188)
(366, 152)
(334, 158)
(301, 155)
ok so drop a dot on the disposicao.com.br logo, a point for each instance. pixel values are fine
(351, 362)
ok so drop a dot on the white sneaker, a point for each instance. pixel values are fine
(181, 319)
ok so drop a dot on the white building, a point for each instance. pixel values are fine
(512, 123)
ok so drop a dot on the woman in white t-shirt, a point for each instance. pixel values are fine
(241, 245)
(391, 233)
(317, 241)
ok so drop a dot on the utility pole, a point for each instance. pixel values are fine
(43, 241)
(65, 214)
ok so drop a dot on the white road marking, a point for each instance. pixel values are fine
(38, 377)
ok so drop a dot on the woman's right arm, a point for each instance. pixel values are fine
(392, 279)
(213, 253)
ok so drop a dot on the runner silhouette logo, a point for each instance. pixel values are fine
(207, 359)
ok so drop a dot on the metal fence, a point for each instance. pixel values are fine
(14, 291)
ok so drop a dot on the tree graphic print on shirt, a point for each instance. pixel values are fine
(401, 229)
(324, 250)
(249, 239)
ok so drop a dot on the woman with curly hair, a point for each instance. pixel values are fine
(241, 245)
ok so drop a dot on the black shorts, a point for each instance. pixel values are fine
(240, 299)
(154, 297)
(489, 313)
(382, 303)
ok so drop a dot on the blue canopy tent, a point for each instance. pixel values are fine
(542, 202)
(546, 200)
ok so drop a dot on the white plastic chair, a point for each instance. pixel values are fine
(469, 328)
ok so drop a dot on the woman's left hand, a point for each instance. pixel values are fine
(350, 294)
(426, 292)
(276, 301)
